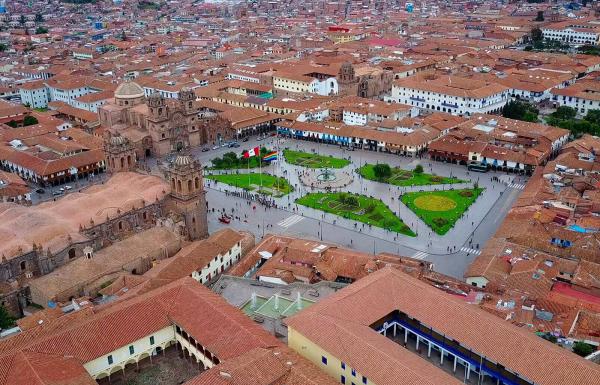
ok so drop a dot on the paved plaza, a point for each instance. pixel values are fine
(451, 253)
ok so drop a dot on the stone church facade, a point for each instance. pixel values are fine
(157, 126)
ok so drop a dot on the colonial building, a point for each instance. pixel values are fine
(157, 126)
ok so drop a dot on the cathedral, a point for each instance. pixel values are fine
(156, 126)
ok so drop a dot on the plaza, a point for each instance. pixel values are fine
(450, 252)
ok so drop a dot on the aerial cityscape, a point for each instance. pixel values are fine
(261, 192)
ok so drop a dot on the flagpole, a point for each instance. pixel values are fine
(260, 169)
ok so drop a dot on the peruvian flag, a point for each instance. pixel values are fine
(252, 152)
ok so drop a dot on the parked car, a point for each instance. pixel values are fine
(215, 147)
(245, 139)
(40, 191)
(57, 193)
(204, 149)
(234, 144)
(67, 187)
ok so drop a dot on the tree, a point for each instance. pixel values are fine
(29, 120)
(537, 35)
(6, 320)
(516, 109)
(564, 113)
(582, 349)
(12, 124)
(593, 116)
(38, 18)
(40, 30)
(382, 171)
(3, 47)
(418, 169)
(540, 16)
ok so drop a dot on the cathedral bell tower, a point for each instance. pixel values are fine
(186, 100)
(120, 153)
(188, 195)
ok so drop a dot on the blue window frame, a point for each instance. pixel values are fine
(131, 349)
(324, 360)
(353, 373)
(343, 366)
(110, 359)
(343, 379)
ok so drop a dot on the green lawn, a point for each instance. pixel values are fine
(441, 209)
(364, 209)
(402, 177)
(306, 159)
(272, 185)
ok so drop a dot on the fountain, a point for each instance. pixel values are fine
(253, 301)
(326, 176)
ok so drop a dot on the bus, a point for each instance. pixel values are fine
(477, 167)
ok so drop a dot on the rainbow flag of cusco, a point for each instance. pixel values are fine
(270, 156)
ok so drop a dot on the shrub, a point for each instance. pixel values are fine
(418, 169)
(440, 222)
(466, 193)
(351, 201)
(370, 208)
(436, 179)
(382, 171)
(582, 349)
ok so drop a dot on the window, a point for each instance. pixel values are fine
(343, 379)
(343, 366)
(353, 373)
(324, 360)
(131, 349)
(364, 380)
(110, 359)
(151, 340)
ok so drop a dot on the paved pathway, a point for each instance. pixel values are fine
(464, 241)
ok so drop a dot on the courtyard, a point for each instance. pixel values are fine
(360, 208)
(441, 209)
(310, 160)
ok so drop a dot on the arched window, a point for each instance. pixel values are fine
(189, 185)
(71, 253)
(197, 183)
(172, 183)
(178, 186)
(122, 162)
(160, 111)
(120, 225)
(128, 160)
(23, 265)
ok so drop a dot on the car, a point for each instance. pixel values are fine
(245, 139)
(62, 189)
(67, 187)
(40, 191)
(224, 219)
(204, 149)
(259, 138)
(234, 144)
(273, 134)
(215, 147)
(57, 193)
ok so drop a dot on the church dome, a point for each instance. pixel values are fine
(129, 90)
(117, 140)
(183, 160)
